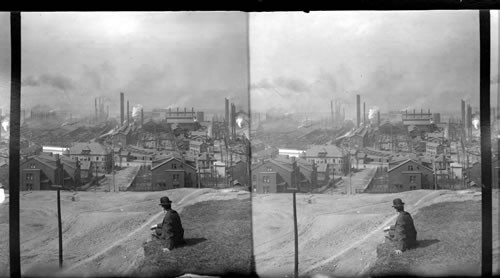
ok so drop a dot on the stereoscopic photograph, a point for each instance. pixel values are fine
(276, 144)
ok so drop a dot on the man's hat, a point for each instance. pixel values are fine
(165, 201)
(397, 203)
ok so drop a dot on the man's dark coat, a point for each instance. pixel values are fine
(171, 229)
(405, 234)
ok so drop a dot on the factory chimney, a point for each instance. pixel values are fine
(233, 119)
(142, 116)
(122, 112)
(378, 118)
(95, 106)
(358, 112)
(227, 115)
(463, 113)
(469, 122)
(364, 113)
(128, 113)
(331, 111)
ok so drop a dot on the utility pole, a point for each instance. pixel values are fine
(197, 172)
(435, 175)
(113, 161)
(59, 226)
(296, 236)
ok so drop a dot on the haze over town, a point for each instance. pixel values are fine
(396, 60)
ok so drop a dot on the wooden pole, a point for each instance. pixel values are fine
(296, 235)
(485, 104)
(14, 145)
(59, 224)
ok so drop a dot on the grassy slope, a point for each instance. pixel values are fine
(449, 236)
(219, 241)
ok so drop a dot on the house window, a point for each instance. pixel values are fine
(269, 169)
(32, 166)
(174, 166)
(97, 158)
(413, 178)
(413, 187)
(410, 167)
(29, 177)
(266, 179)
(175, 177)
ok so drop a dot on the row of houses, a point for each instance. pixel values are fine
(43, 171)
(281, 175)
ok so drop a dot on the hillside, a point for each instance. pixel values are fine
(338, 234)
(103, 232)
(454, 249)
(218, 242)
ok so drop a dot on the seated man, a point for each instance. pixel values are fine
(170, 230)
(403, 233)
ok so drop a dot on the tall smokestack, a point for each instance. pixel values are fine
(233, 119)
(331, 111)
(142, 116)
(95, 106)
(463, 113)
(227, 116)
(469, 122)
(358, 112)
(122, 108)
(364, 113)
(378, 118)
(128, 113)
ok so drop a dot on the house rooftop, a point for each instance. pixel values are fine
(94, 148)
(329, 150)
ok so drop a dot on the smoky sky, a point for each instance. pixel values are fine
(394, 60)
(297, 61)
(4, 61)
(158, 60)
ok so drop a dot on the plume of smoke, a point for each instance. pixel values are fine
(372, 112)
(136, 111)
(54, 80)
(5, 124)
(475, 121)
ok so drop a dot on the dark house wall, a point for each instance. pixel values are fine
(173, 174)
(399, 178)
